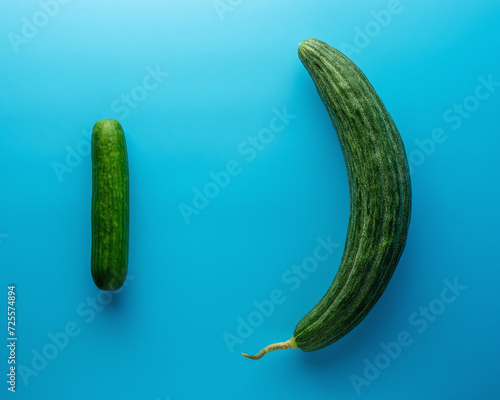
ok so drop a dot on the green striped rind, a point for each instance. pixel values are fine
(110, 205)
(380, 196)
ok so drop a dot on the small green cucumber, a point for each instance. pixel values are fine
(110, 205)
(380, 199)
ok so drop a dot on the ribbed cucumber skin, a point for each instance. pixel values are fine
(110, 205)
(380, 196)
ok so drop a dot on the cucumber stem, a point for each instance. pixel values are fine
(289, 344)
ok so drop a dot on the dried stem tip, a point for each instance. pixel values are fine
(289, 344)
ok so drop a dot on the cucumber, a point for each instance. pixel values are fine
(380, 199)
(110, 205)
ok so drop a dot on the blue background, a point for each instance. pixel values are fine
(165, 335)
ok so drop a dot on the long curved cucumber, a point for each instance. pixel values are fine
(380, 198)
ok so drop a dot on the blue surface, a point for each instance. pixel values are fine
(203, 78)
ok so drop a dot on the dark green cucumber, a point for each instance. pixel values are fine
(380, 198)
(110, 205)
